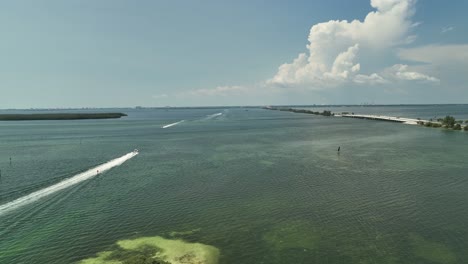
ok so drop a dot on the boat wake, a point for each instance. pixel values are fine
(213, 116)
(173, 124)
(32, 197)
(208, 117)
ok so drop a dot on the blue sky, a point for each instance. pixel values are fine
(194, 53)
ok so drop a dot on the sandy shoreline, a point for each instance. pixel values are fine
(409, 121)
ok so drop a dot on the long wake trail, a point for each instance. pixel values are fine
(213, 116)
(173, 124)
(91, 173)
(208, 117)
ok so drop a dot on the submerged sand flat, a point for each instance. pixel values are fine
(433, 251)
(157, 250)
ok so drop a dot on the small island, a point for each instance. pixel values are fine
(448, 122)
(302, 111)
(59, 116)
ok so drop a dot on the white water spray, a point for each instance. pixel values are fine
(32, 197)
(213, 115)
(173, 124)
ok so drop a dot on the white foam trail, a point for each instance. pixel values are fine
(173, 124)
(32, 197)
(213, 115)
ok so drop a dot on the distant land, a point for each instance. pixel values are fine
(121, 108)
(59, 116)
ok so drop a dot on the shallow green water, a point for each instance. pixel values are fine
(261, 186)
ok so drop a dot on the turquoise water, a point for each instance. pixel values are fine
(261, 186)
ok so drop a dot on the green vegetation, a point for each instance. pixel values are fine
(302, 111)
(144, 255)
(183, 233)
(302, 241)
(59, 116)
(448, 121)
(431, 251)
(430, 124)
(156, 250)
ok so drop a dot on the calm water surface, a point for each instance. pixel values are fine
(262, 186)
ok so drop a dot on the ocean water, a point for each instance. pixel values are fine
(261, 186)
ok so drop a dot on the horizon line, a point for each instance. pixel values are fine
(221, 106)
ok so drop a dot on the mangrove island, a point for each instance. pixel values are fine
(302, 111)
(59, 116)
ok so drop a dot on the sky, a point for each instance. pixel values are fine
(115, 53)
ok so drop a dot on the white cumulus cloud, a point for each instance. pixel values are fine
(374, 78)
(446, 29)
(350, 54)
(437, 54)
(402, 72)
(334, 48)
